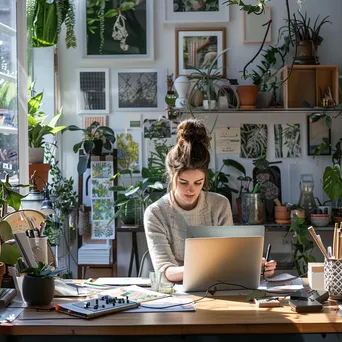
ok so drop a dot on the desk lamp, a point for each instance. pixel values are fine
(47, 206)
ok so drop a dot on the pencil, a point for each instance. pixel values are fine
(318, 242)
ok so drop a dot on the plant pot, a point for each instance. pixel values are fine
(264, 99)
(42, 174)
(97, 150)
(209, 105)
(306, 53)
(36, 155)
(196, 98)
(282, 214)
(253, 208)
(247, 95)
(38, 290)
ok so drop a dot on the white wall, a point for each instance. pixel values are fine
(330, 52)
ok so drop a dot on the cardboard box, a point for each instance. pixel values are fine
(316, 275)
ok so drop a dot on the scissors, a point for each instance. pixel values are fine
(32, 233)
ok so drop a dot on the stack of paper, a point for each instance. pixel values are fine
(92, 254)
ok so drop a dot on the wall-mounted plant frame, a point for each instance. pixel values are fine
(317, 131)
(139, 89)
(179, 12)
(126, 36)
(93, 91)
(253, 27)
(197, 47)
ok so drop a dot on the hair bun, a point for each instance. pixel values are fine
(193, 132)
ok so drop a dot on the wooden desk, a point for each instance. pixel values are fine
(214, 316)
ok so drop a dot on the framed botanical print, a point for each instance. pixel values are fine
(194, 11)
(118, 29)
(198, 48)
(93, 91)
(139, 89)
(317, 131)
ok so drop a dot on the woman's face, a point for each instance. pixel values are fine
(188, 188)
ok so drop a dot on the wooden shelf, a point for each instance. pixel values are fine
(309, 83)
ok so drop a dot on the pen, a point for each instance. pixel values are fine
(268, 252)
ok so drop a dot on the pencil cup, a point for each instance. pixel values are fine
(39, 246)
(333, 278)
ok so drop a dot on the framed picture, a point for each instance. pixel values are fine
(198, 47)
(139, 89)
(87, 120)
(317, 131)
(193, 11)
(93, 91)
(287, 141)
(254, 29)
(118, 33)
(129, 146)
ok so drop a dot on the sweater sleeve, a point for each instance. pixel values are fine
(225, 217)
(158, 239)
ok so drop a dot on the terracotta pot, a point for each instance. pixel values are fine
(196, 98)
(42, 173)
(282, 214)
(247, 95)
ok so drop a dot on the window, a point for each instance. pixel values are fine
(9, 61)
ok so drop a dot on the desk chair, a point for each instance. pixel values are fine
(145, 265)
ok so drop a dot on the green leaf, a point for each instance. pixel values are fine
(82, 164)
(9, 253)
(235, 164)
(332, 183)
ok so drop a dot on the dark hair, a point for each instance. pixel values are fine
(191, 152)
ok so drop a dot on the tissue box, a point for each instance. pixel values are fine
(316, 275)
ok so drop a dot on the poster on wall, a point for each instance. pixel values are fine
(227, 140)
(253, 141)
(287, 141)
(102, 201)
(129, 144)
(119, 29)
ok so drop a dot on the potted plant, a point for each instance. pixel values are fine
(38, 129)
(219, 181)
(39, 284)
(95, 138)
(303, 246)
(45, 19)
(136, 197)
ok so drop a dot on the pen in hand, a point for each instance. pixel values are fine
(268, 252)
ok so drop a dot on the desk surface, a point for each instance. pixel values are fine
(219, 315)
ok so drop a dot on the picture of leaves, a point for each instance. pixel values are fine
(158, 129)
(100, 188)
(253, 141)
(287, 140)
(116, 27)
(102, 230)
(195, 5)
(128, 152)
(103, 209)
(138, 89)
(101, 169)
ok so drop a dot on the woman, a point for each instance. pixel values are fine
(166, 220)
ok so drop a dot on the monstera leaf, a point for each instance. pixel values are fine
(332, 183)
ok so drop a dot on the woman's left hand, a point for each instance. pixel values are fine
(269, 267)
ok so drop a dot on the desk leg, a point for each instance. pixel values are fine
(134, 254)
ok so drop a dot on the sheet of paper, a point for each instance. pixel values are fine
(117, 281)
(227, 140)
(288, 286)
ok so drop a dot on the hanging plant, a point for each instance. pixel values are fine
(45, 19)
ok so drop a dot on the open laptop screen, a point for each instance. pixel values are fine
(233, 260)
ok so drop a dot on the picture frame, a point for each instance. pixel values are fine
(93, 91)
(87, 120)
(194, 15)
(197, 47)
(316, 132)
(129, 145)
(254, 27)
(129, 36)
(139, 89)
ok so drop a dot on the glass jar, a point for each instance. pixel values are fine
(307, 199)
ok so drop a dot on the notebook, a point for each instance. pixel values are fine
(233, 260)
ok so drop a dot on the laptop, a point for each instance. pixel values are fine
(234, 260)
(225, 231)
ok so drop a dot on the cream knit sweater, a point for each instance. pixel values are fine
(166, 225)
